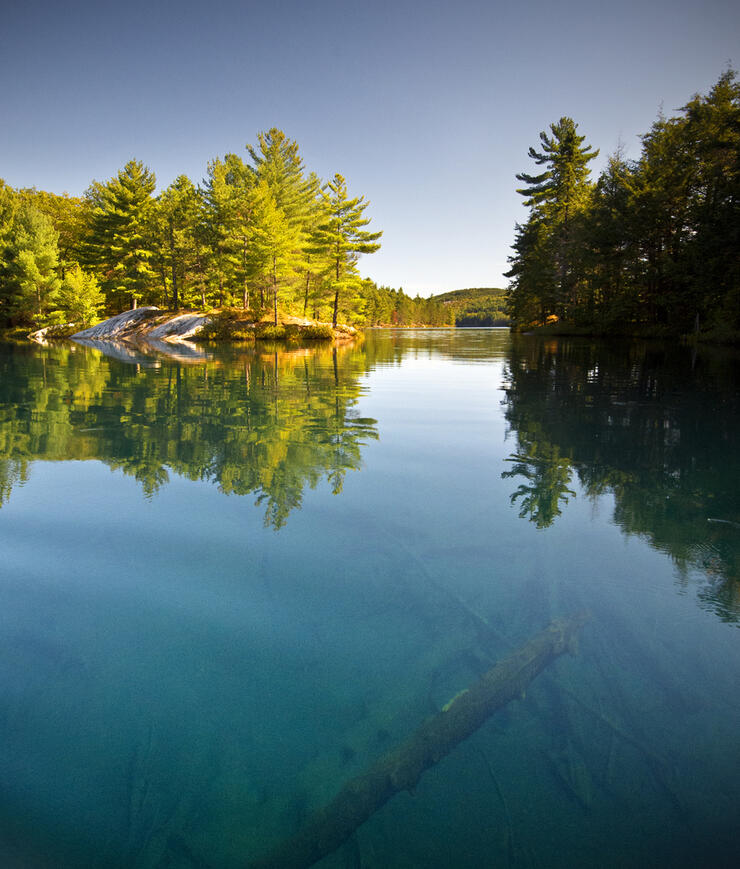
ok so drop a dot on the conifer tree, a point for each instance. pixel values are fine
(176, 218)
(274, 252)
(555, 198)
(119, 243)
(220, 229)
(340, 237)
(277, 162)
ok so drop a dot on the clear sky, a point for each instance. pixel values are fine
(427, 108)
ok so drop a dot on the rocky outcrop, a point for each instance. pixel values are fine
(124, 325)
(143, 335)
(53, 333)
(180, 327)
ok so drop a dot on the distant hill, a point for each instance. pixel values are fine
(476, 306)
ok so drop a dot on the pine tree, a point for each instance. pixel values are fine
(555, 198)
(276, 162)
(220, 229)
(274, 253)
(175, 219)
(119, 244)
(340, 238)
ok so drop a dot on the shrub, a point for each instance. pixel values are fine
(269, 332)
(317, 332)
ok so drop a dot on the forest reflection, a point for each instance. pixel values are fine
(655, 426)
(253, 421)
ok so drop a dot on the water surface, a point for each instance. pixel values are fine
(231, 582)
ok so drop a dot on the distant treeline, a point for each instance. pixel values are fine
(383, 306)
(653, 246)
(477, 306)
(260, 233)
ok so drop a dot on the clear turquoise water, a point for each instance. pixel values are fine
(230, 583)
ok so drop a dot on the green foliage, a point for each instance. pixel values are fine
(477, 306)
(68, 216)
(259, 233)
(120, 244)
(229, 324)
(339, 238)
(543, 267)
(654, 247)
(174, 223)
(275, 249)
(317, 332)
(384, 306)
(80, 298)
(30, 282)
(270, 332)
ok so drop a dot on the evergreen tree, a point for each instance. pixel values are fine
(119, 243)
(275, 244)
(340, 237)
(220, 230)
(713, 246)
(555, 197)
(276, 161)
(175, 219)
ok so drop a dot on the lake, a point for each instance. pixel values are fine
(234, 579)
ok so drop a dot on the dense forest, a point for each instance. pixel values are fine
(653, 246)
(259, 233)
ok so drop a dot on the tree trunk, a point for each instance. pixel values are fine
(245, 296)
(175, 296)
(305, 296)
(274, 291)
(401, 768)
(336, 300)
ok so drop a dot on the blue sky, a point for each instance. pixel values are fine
(428, 109)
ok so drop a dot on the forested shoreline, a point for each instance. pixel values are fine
(653, 246)
(261, 234)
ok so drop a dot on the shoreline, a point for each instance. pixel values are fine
(151, 324)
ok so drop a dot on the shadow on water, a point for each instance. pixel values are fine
(654, 426)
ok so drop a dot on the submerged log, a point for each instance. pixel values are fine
(401, 768)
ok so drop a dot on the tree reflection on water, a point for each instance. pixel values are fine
(652, 425)
(259, 422)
